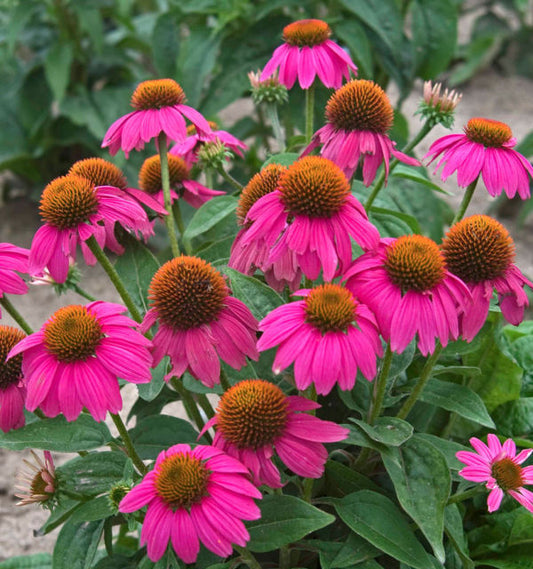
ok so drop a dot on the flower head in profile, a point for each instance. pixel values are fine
(499, 467)
(255, 419)
(486, 149)
(480, 251)
(159, 107)
(12, 385)
(358, 115)
(192, 496)
(181, 184)
(328, 336)
(309, 219)
(307, 52)
(199, 321)
(406, 284)
(73, 210)
(76, 358)
(38, 484)
(12, 259)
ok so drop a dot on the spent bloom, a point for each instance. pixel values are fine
(486, 149)
(38, 483)
(329, 336)
(308, 52)
(159, 107)
(12, 259)
(76, 358)
(199, 321)
(192, 496)
(358, 116)
(499, 467)
(480, 251)
(437, 107)
(255, 419)
(406, 284)
(12, 386)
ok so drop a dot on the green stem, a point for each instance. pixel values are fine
(422, 133)
(272, 114)
(284, 557)
(247, 557)
(224, 381)
(131, 452)
(190, 404)
(309, 113)
(165, 182)
(423, 379)
(15, 314)
(380, 386)
(205, 404)
(469, 192)
(83, 293)
(181, 227)
(230, 179)
(464, 495)
(264, 129)
(114, 276)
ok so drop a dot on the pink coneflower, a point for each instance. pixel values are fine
(73, 210)
(499, 467)
(193, 496)
(181, 185)
(158, 108)
(480, 251)
(405, 283)
(38, 484)
(12, 258)
(328, 336)
(308, 52)
(76, 358)
(255, 418)
(12, 386)
(199, 322)
(359, 115)
(485, 148)
(312, 215)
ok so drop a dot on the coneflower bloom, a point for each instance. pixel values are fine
(199, 495)
(328, 336)
(159, 107)
(76, 358)
(308, 52)
(13, 258)
(199, 321)
(255, 419)
(359, 115)
(486, 149)
(181, 185)
(311, 214)
(37, 485)
(499, 467)
(12, 386)
(480, 251)
(73, 210)
(406, 284)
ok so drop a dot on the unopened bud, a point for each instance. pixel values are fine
(268, 91)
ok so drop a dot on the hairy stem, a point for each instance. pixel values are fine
(469, 192)
(130, 449)
(165, 182)
(15, 314)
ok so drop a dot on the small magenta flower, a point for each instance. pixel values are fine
(358, 115)
(76, 358)
(255, 419)
(192, 496)
(486, 149)
(328, 336)
(159, 107)
(480, 251)
(38, 484)
(499, 467)
(12, 385)
(308, 52)
(13, 258)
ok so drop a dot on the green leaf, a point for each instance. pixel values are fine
(416, 175)
(37, 561)
(448, 449)
(408, 220)
(149, 391)
(76, 545)
(522, 530)
(209, 214)
(522, 351)
(342, 480)
(358, 437)
(508, 562)
(57, 68)
(515, 418)
(389, 431)
(453, 526)
(458, 399)
(61, 512)
(343, 554)
(480, 52)
(353, 35)
(422, 482)
(283, 159)
(94, 510)
(165, 45)
(258, 297)
(284, 519)
(389, 223)
(58, 435)
(380, 522)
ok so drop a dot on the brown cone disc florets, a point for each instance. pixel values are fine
(187, 292)
(488, 132)
(360, 105)
(313, 186)
(150, 174)
(156, 94)
(10, 372)
(508, 474)
(414, 262)
(330, 308)
(100, 172)
(478, 248)
(263, 183)
(182, 480)
(72, 334)
(252, 413)
(306, 33)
